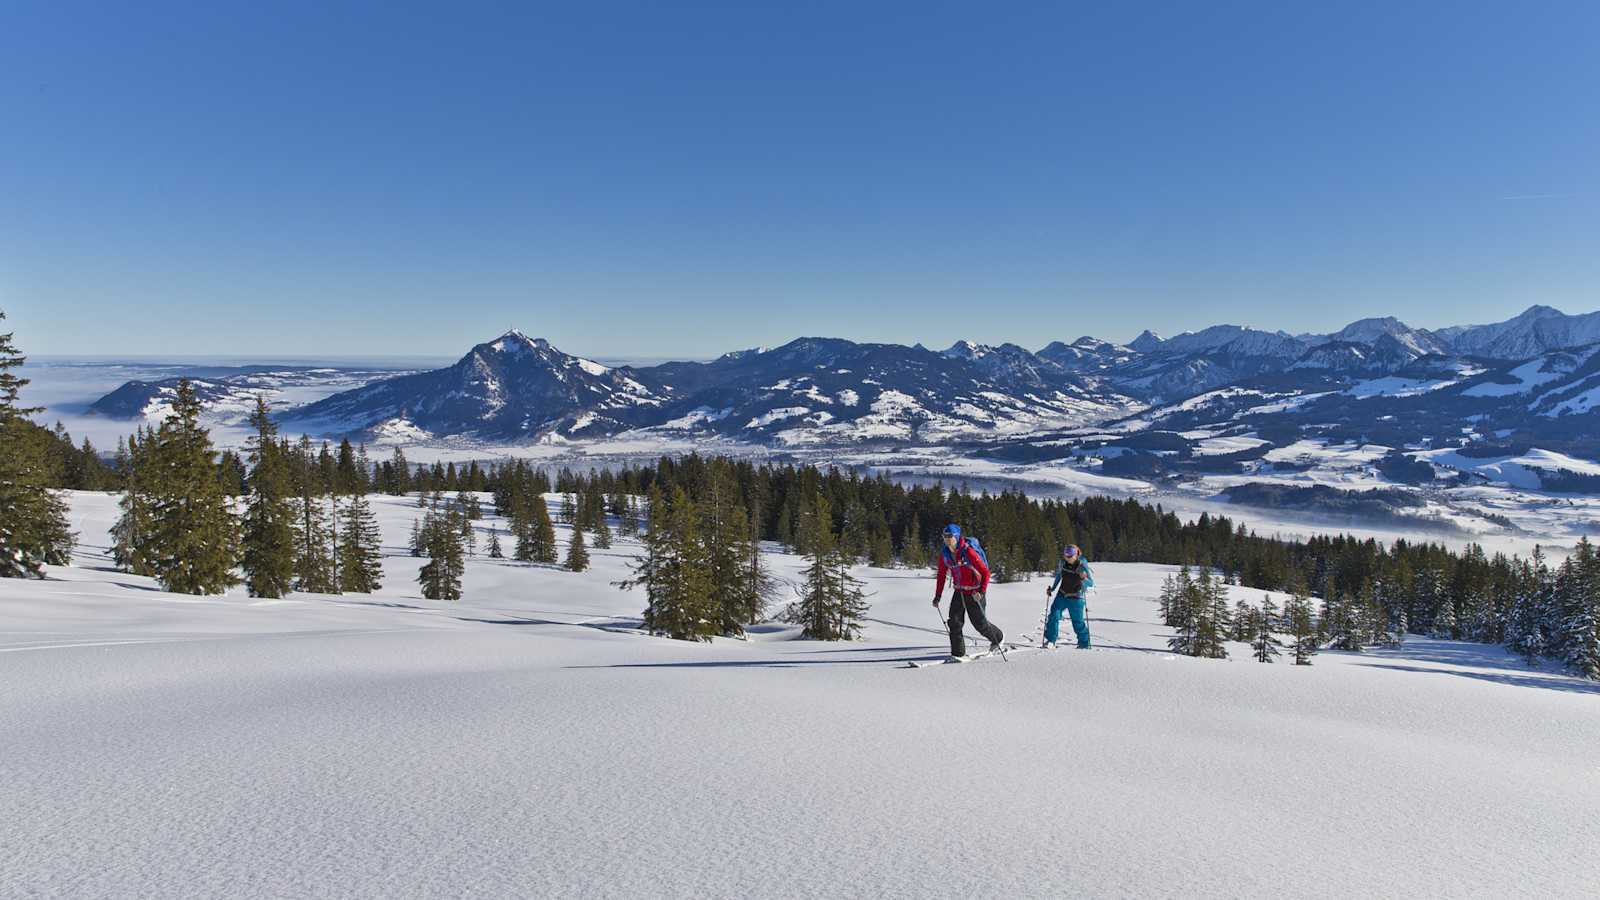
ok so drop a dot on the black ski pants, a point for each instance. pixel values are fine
(969, 605)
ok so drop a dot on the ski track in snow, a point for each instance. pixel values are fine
(530, 741)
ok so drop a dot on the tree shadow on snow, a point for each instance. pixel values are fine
(768, 663)
(1531, 680)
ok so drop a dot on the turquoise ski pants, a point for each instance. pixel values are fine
(1074, 607)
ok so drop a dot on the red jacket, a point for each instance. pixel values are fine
(968, 572)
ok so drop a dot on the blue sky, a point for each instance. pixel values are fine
(681, 180)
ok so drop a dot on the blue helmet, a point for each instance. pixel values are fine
(953, 530)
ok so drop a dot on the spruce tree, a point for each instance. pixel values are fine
(1444, 618)
(360, 549)
(830, 604)
(577, 553)
(313, 563)
(1183, 614)
(602, 531)
(194, 536)
(33, 519)
(1265, 644)
(913, 552)
(1297, 616)
(542, 531)
(440, 576)
(132, 548)
(268, 538)
(1345, 631)
(495, 552)
(672, 571)
(724, 532)
(1243, 627)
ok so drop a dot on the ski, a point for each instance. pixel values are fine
(1006, 649)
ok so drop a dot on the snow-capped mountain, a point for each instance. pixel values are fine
(514, 387)
(1537, 330)
(1369, 331)
(1088, 354)
(1009, 364)
(1147, 342)
(816, 390)
(228, 393)
(1243, 342)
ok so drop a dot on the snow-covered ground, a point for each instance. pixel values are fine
(529, 741)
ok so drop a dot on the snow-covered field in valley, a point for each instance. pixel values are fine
(530, 741)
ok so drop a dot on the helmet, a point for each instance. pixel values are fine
(953, 530)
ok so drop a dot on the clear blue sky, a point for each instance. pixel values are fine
(683, 179)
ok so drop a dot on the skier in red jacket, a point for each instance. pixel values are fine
(969, 579)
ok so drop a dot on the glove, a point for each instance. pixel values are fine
(936, 600)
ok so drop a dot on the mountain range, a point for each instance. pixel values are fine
(818, 390)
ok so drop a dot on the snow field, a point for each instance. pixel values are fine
(527, 741)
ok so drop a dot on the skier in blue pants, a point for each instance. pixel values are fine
(1073, 580)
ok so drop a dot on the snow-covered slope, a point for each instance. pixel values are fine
(528, 741)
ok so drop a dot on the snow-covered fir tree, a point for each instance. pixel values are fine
(829, 604)
(577, 553)
(268, 537)
(1345, 630)
(1300, 627)
(33, 519)
(672, 570)
(313, 561)
(360, 551)
(440, 576)
(1265, 643)
(194, 536)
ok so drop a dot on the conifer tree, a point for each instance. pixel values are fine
(1345, 631)
(440, 576)
(577, 553)
(1444, 618)
(194, 536)
(495, 551)
(400, 477)
(1265, 644)
(1297, 616)
(725, 532)
(829, 604)
(33, 519)
(1579, 629)
(542, 532)
(1215, 620)
(1244, 626)
(1183, 614)
(630, 517)
(132, 547)
(269, 537)
(913, 552)
(313, 562)
(673, 572)
(360, 549)
(602, 531)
